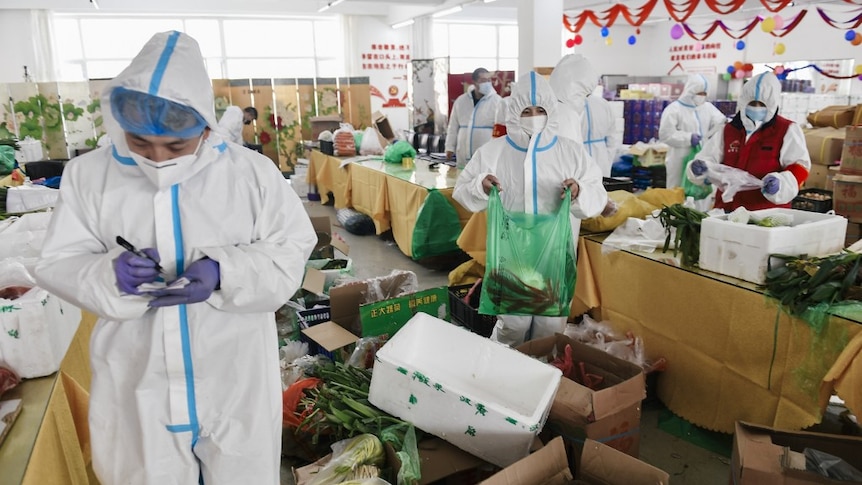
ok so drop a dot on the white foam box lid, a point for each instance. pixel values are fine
(742, 250)
(482, 396)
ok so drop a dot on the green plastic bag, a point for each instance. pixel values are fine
(530, 262)
(437, 227)
(398, 150)
(692, 189)
(7, 159)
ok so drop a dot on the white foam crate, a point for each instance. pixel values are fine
(742, 250)
(479, 395)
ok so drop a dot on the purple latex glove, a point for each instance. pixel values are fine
(132, 271)
(698, 167)
(204, 277)
(695, 139)
(770, 185)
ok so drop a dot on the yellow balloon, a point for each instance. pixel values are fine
(858, 69)
(609, 41)
(780, 48)
(768, 24)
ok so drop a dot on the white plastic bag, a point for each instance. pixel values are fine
(370, 143)
(731, 180)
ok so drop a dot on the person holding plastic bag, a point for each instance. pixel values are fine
(761, 142)
(686, 123)
(471, 122)
(186, 383)
(531, 169)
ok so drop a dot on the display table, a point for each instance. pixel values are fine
(394, 198)
(49, 442)
(731, 355)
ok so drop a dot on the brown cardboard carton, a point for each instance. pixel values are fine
(346, 299)
(381, 122)
(825, 145)
(319, 124)
(547, 466)
(441, 460)
(847, 196)
(851, 154)
(834, 116)
(758, 451)
(819, 177)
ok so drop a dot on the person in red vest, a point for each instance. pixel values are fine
(759, 141)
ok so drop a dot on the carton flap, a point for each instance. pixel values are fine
(321, 224)
(340, 245)
(440, 459)
(345, 299)
(548, 465)
(330, 335)
(603, 464)
(314, 281)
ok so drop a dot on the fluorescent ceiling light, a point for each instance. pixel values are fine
(329, 5)
(403, 24)
(489, 1)
(448, 11)
(95, 4)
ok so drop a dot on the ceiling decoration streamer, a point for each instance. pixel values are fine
(818, 69)
(724, 8)
(776, 6)
(838, 24)
(685, 8)
(745, 30)
(635, 16)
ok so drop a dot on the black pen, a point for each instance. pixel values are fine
(137, 252)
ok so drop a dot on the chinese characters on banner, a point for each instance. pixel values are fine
(691, 52)
(386, 56)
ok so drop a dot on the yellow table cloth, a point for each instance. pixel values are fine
(718, 335)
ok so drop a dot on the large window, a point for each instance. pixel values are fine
(92, 47)
(468, 46)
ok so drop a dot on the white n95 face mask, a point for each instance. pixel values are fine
(486, 88)
(699, 100)
(170, 172)
(534, 124)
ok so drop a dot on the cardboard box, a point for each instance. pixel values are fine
(441, 460)
(825, 145)
(834, 116)
(851, 155)
(847, 196)
(347, 298)
(332, 340)
(388, 316)
(381, 122)
(758, 451)
(600, 465)
(483, 397)
(610, 415)
(319, 124)
(820, 177)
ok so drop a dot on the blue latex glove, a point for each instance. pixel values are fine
(695, 139)
(770, 185)
(132, 271)
(698, 167)
(204, 278)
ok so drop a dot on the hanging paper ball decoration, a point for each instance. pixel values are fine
(578, 39)
(730, 69)
(780, 48)
(779, 22)
(779, 70)
(605, 32)
(676, 32)
(609, 41)
(570, 43)
(857, 40)
(739, 74)
(748, 67)
(726, 76)
(632, 40)
(767, 24)
(738, 65)
(849, 35)
(740, 45)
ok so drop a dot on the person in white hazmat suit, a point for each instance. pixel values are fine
(186, 386)
(583, 116)
(230, 124)
(471, 122)
(686, 123)
(531, 167)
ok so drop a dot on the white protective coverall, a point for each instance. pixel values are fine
(230, 124)
(531, 171)
(793, 152)
(470, 126)
(584, 117)
(183, 394)
(681, 119)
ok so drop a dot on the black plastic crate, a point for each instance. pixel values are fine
(327, 147)
(618, 183)
(467, 314)
(813, 200)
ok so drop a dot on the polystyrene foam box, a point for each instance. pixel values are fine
(479, 395)
(742, 250)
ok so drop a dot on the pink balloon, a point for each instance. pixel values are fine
(739, 74)
(676, 31)
(779, 22)
(778, 70)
